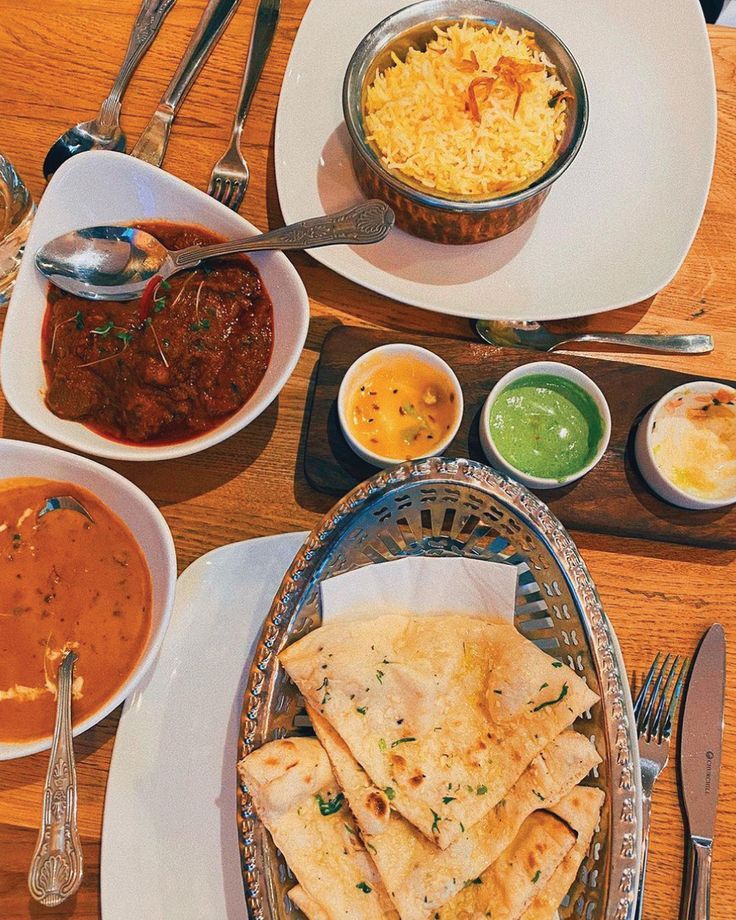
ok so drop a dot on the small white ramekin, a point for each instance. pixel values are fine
(387, 352)
(650, 471)
(556, 369)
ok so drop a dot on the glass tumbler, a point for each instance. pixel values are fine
(16, 213)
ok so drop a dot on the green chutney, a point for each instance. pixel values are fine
(546, 426)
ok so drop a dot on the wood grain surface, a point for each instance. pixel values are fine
(612, 498)
(57, 62)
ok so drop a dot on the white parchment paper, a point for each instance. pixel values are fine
(423, 586)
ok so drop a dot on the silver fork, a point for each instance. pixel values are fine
(230, 175)
(654, 713)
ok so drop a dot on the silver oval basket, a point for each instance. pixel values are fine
(442, 507)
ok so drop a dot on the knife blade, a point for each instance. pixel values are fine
(701, 736)
(701, 740)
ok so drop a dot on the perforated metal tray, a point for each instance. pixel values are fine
(442, 507)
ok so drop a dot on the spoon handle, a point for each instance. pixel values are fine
(366, 223)
(145, 28)
(675, 344)
(56, 867)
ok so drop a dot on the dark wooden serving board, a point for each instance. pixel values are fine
(612, 498)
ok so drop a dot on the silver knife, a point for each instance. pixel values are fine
(701, 739)
(151, 145)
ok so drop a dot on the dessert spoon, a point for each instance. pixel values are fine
(104, 132)
(119, 263)
(533, 335)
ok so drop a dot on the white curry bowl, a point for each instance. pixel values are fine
(99, 188)
(145, 522)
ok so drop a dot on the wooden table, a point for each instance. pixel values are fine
(658, 596)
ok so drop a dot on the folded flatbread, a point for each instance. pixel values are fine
(582, 810)
(418, 875)
(508, 886)
(447, 712)
(296, 796)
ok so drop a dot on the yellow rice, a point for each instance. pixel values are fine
(419, 117)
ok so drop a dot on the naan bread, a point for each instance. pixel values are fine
(507, 887)
(306, 905)
(419, 876)
(445, 711)
(297, 798)
(582, 810)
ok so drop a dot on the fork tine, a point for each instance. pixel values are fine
(655, 724)
(238, 196)
(645, 717)
(645, 687)
(667, 726)
(212, 188)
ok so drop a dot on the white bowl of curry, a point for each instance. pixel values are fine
(103, 587)
(212, 355)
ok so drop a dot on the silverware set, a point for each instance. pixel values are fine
(230, 175)
(701, 736)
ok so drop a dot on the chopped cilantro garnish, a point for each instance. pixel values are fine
(402, 741)
(159, 304)
(165, 285)
(390, 793)
(361, 709)
(382, 745)
(481, 790)
(543, 686)
(448, 798)
(331, 806)
(126, 337)
(103, 330)
(538, 795)
(364, 887)
(556, 664)
(563, 694)
(435, 823)
(379, 676)
(79, 320)
(535, 877)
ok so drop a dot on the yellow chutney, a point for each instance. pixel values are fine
(402, 407)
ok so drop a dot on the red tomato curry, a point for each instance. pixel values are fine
(65, 583)
(182, 370)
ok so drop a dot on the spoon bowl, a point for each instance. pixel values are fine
(87, 135)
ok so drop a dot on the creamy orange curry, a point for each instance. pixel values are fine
(65, 583)
(401, 407)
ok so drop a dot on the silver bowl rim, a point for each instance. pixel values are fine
(456, 203)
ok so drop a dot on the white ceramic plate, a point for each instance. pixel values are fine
(169, 838)
(104, 188)
(615, 227)
(147, 525)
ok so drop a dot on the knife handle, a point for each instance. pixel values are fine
(696, 896)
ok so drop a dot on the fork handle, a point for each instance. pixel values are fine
(646, 809)
(696, 895)
(261, 38)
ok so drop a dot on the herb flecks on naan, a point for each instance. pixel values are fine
(418, 875)
(447, 712)
(581, 809)
(297, 798)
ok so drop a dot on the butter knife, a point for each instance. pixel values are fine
(701, 739)
(151, 145)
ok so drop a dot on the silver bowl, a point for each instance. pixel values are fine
(448, 218)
